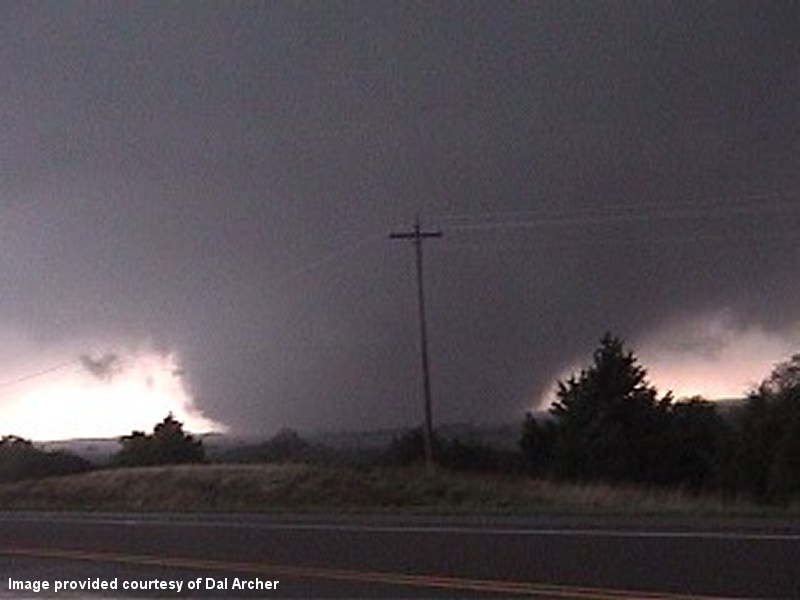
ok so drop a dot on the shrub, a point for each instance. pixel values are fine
(167, 445)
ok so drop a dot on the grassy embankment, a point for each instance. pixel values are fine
(266, 488)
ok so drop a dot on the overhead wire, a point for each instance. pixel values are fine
(622, 214)
(643, 211)
(38, 374)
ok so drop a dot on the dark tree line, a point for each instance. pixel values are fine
(20, 459)
(609, 424)
(168, 444)
(456, 454)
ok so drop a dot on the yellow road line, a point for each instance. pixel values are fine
(494, 586)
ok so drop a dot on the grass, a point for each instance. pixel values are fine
(296, 487)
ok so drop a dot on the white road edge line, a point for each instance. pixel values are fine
(422, 529)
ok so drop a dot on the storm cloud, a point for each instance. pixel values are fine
(219, 179)
(103, 367)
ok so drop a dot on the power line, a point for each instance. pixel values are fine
(600, 239)
(37, 374)
(743, 206)
(547, 221)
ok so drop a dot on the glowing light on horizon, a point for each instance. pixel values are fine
(710, 355)
(714, 355)
(74, 402)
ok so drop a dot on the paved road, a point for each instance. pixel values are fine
(567, 557)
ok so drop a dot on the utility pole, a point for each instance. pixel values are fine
(417, 236)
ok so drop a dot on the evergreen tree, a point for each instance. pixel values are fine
(609, 419)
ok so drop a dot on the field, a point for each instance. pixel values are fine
(297, 487)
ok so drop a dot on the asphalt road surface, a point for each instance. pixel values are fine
(349, 556)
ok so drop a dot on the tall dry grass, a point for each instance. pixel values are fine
(294, 487)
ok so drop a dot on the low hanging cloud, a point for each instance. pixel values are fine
(715, 355)
(105, 367)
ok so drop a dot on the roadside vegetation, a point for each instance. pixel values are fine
(609, 443)
(310, 488)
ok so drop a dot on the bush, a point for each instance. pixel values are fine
(167, 445)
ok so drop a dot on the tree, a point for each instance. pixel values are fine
(168, 444)
(608, 419)
(284, 446)
(768, 454)
(784, 473)
(20, 459)
(693, 445)
(536, 444)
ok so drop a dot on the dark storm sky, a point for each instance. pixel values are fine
(220, 179)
